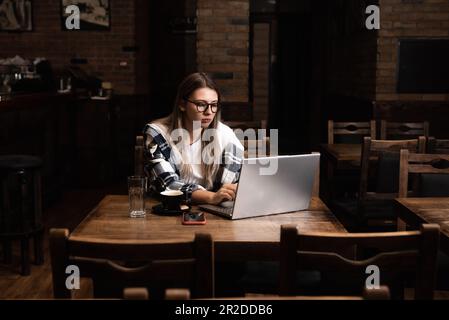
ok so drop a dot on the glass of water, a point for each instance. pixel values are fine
(136, 192)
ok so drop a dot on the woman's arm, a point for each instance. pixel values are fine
(226, 192)
(163, 173)
(202, 196)
(158, 167)
(231, 164)
(228, 174)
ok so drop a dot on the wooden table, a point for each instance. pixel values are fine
(235, 240)
(415, 211)
(341, 156)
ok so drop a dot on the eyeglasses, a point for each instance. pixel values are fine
(202, 106)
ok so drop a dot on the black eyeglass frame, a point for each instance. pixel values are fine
(211, 105)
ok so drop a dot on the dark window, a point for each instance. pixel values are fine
(423, 66)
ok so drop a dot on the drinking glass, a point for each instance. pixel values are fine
(136, 192)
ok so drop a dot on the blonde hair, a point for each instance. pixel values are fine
(175, 121)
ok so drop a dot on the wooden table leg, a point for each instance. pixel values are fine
(25, 256)
(7, 251)
(39, 248)
(326, 178)
(330, 180)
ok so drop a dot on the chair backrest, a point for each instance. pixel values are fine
(256, 148)
(381, 293)
(385, 153)
(170, 294)
(135, 294)
(438, 146)
(138, 156)
(113, 266)
(350, 130)
(421, 164)
(246, 124)
(399, 253)
(403, 130)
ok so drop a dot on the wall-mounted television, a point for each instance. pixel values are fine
(423, 66)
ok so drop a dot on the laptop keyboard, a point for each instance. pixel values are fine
(217, 209)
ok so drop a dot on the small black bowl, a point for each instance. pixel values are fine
(160, 210)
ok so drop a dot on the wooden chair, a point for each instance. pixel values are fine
(142, 294)
(254, 148)
(344, 180)
(425, 175)
(403, 130)
(246, 124)
(138, 156)
(381, 155)
(399, 253)
(135, 294)
(155, 266)
(438, 146)
(419, 164)
(350, 130)
(381, 293)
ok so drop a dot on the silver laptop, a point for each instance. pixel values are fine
(263, 190)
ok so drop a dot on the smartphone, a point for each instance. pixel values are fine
(194, 217)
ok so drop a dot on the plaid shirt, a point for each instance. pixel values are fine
(160, 163)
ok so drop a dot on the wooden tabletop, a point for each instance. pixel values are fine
(342, 151)
(247, 239)
(415, 211)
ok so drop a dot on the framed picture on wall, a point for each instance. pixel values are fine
(16, 15)
(93, 14)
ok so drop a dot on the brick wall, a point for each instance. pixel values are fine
(102, 49)
(426, 20)
(261, 62)
(222, 45)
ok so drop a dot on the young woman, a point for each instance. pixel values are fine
(191, 150)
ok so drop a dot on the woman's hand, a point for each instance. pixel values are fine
(232, 187)
(225, 193)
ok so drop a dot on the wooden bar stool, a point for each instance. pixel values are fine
(21, 207)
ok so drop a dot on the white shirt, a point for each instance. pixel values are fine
(194, 152)
(193, 156)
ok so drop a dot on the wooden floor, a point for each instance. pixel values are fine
(67, 213)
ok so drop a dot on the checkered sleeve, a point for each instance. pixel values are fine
(159, 165)
(231, 163)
